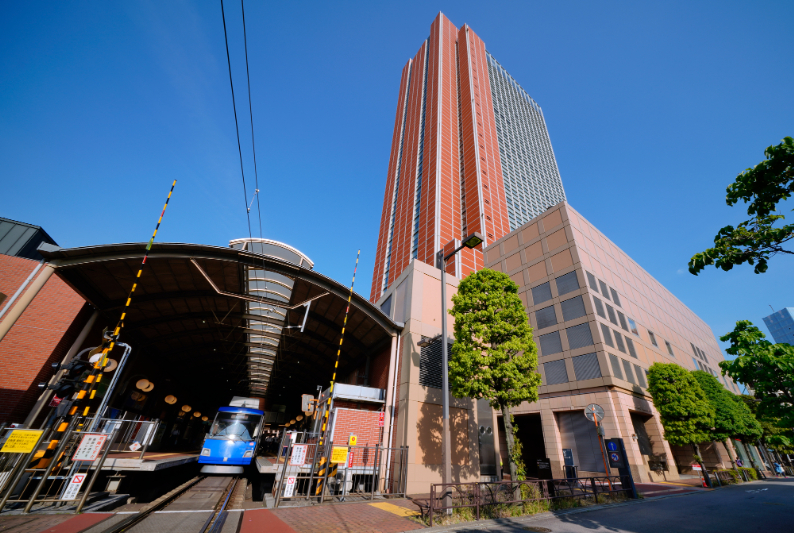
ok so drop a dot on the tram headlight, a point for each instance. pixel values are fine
(205, 451)
(248, 453)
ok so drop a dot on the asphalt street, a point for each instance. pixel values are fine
(764, 506)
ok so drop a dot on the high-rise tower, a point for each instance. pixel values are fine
(470, 152)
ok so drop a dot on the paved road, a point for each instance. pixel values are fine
(764, 506)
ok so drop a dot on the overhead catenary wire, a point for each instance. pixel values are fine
(251, 114)
(236, 124)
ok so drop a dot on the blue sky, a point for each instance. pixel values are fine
(652, 108)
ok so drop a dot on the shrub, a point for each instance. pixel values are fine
(751, 472)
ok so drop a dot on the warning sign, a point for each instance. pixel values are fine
(352, 441)
(73, 488)
(298, 457)
(21, 441)
(90, 447)
(381, 416)
(289, 489)
(55, 402)
(339, 454)
(350, 459)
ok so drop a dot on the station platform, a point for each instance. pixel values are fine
(151, 461)
(267, 465)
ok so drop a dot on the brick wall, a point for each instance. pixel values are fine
(362, 424)
(42, 335)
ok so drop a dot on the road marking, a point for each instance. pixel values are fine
(679, 484)
(395, 509)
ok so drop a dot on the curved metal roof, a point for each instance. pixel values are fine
(194, 317)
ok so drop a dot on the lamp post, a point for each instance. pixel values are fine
(472, 241)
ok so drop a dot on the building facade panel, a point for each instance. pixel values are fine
(449, 180)
(600, 321)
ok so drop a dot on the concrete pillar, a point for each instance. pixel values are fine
(24, 301)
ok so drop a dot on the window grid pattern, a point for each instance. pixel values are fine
(529, 169)
(541, 293)
(567, 283)
(556, 372)
(586, 366)
(546, 317)
(616, 371)
(550, 343)
(579, 336)
(641, 376)
(572, 309)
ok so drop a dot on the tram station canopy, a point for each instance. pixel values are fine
(253, 319)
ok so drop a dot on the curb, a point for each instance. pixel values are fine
(484, 524)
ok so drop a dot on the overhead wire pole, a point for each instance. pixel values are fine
(324, 460)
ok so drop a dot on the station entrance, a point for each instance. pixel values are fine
(208, 326)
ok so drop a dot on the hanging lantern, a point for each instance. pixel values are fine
(187, 408)
(170, 399)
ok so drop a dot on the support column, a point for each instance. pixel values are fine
(24, 301)
(47, 394)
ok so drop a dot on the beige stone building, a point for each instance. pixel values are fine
(599, 321)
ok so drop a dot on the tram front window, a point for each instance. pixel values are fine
(233, 426)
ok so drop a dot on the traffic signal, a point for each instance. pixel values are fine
(71, 378)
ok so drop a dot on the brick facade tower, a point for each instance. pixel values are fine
(470, 152)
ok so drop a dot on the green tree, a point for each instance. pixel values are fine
(756, 240)
(494, 356)
(686, 413)
(732, 418)
(765, 367)
(778, 438)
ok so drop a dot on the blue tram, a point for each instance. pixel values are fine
(232, 441)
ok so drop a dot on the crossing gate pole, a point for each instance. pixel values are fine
(110, 441)
(61, 446)
(21, 467)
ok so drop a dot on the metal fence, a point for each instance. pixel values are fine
(309, 471)
(477, 495)
(60, 468)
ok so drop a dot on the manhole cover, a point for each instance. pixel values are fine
(538, 529)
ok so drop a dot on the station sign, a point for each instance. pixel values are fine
(73, 488)
(21, 441)
(339, 455)
(298, 457)
(90, 447)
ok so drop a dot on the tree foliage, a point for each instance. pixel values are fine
(686, 413)
(774, 436)
(765, 367)
(732, 418)
(494, 356)
(756, 240)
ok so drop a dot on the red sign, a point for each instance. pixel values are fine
(381, 415)
(55, 401)
(350, 458)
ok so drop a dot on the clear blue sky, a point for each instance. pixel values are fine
(653, 108)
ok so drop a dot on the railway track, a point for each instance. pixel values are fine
(198, 506)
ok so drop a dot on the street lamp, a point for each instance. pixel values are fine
(472, 241)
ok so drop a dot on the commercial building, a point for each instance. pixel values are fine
(781, 325)
(599, 321)
(470, 152)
